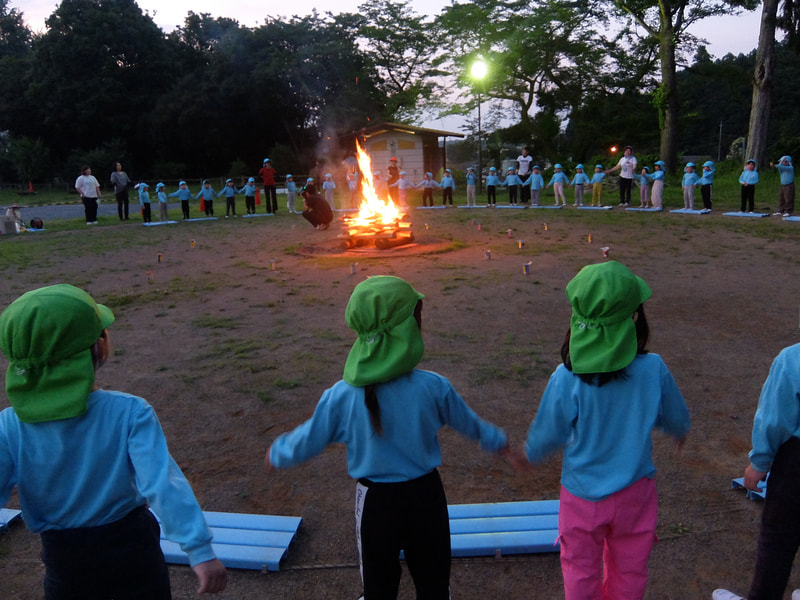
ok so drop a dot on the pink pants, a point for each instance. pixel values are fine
(618, 533)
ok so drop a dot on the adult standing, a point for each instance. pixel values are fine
(270, 192)
(121, 181)
(627, 168)
(89, 189)
(524, 161)
(394, 175)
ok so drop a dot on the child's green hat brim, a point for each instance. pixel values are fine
(47, 335)
(602, 331)
(389, 344)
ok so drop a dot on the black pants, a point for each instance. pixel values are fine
(121, 560)
(427, 194)
(185, 208)
(271, 198)
(122, 204)
(447, 193)
(525, 196)
(146, 215)
(250, 204)
(779, 537)
(625, 188)
(748, 197)
(410, 516)
(491, 194)
(705, 192)
(90, 209)
(209, 206)
(230, 206)
(512, 194)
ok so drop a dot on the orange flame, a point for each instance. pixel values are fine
(372, 208)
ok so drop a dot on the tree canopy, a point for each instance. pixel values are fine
(569, 79)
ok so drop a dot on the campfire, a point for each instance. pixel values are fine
(379, 223)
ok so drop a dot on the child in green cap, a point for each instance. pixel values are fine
(88, 462)
(388, 414)
(600, 406)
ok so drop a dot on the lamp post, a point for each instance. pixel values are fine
(478, 71)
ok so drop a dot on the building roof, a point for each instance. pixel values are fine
(374, 130)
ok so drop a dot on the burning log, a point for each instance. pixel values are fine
(379, 222)
(357, 233)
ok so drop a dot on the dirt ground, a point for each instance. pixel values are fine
(232, 352)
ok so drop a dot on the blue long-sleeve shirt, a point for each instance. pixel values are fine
(144, 197)
(786, 173)
(249, 189)
(689, 179)
(777, 418)
(162, 197)
(94, 469)
(580, 179)
(207, 193)
(228, 191)
(536, 181)
(414, 407)
(182, 194)
(598, 177)
(448, 182)
(605, 432)
(748, 177)
(558, 177)
(493, 180)
(512, 179)
(708, 177)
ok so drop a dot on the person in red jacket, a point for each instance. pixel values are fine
(270, 193)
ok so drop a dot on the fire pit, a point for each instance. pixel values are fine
(379, 223)
(356, 233)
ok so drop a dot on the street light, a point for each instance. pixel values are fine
(478, 71)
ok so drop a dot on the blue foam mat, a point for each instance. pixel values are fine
(691, 211)
(430, 207)
(746, 214)
(631, 209)
(155, 223)
(475, 206)
(258, 215)
(8, 516)
(588, 207)
(761, 494)
(243, 541)
(201, 219)
(559, 206)
(503, 528)
(791, 218)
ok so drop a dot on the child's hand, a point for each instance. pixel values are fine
(212, 576)
(752, 477)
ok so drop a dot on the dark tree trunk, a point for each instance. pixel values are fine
(762, 85)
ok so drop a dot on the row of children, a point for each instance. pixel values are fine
(207, 194)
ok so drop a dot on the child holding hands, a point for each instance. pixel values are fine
(388, 414)
(600, 406)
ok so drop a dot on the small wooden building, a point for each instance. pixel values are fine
(417, 149)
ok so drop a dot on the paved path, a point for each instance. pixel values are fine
(53, 212)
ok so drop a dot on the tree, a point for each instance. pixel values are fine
(761, 107)
(15, 54)
(400, 45)
(666, 23)
(542, 55)
(94, 74)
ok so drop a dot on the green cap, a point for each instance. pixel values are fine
(47, 335)
(602, 332)
(381, 312)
